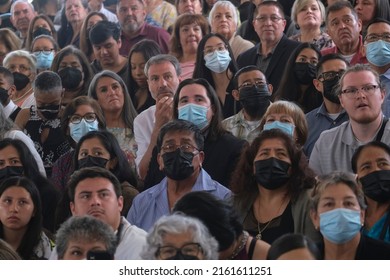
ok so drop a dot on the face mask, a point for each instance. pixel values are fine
(3, 95)
(378, 53)
(20, 80)
(218, 61)
(70, 77)
(78, 130)
(178, 165)
(197, 114)
(330, 87)
(271, 173)
(10, 171)
(255, 100)
(180, 256)
(50, 112)
(340, 225)
(285, 127)
(376, 185)
(41, 31)
(44, 60)
(90, 161)
(304, 72)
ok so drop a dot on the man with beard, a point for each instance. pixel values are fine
(180, 156)
(22, 12)
(131, 15)
(330, 114)
(254, 94)
(344, 26)
(361, 95)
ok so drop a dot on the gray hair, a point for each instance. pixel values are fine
(87, 229)
(161, 58)
(175, 224)
(300, 4)
(21, 53)
(128, 112)
(21, 1)
(225, 4)
(5, 123)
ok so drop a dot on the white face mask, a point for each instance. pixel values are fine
(218, 61)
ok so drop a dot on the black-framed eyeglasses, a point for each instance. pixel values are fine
(376, 37)
(88, 117)
(273, 18)
(189, 249)
(186, 148)
(250, 84)
(352, 92)
(325, 76)
(46, 52)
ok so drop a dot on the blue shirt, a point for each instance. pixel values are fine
(153, 203)
(376, 230)
(318, 120)
(385, 79)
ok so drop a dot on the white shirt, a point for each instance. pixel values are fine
(110, 16)
(30, 101)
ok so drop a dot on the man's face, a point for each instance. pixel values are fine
(375, 32)
(269, 24)
(107, 53)
(365, 105)
(96, 197)
(343, 27)
(22, 16)
(250, 78)
(7, 86)
(131, 15)
(329, 68)
(162, 80)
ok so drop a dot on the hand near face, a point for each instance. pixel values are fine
(164, 111)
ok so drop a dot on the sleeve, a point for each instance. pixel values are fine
(141, 140)
(132, 214)
(314, 161)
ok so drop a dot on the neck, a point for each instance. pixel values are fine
(332, 108)
(268, 46)
(310, 33)
(134, 33)
(346, 251)
(349, 49)
(366, 132)
(375, 211)
(113, 119)
(23, 92)
(187, 57)
(176, 189)
(76, 26)
(14, 237)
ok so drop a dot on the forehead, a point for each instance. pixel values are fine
(358, 78)
(70, 58)
(212, 41)
(129, 3)
(104, 81)
(21, 6)
(253, 74)
(272, 143)
(340, 13)
(94, 18)
(73, 2)
(379, 27)
(43, 42)
(372, 154)
(223, 9)
(92, 142)
(308, 53)
(94, 184)
(19, 60)
(333, 65)
(8, 151)
(40, 21)
(47, 97)
(17, 191)
(178, 136)
(194, 89)
(269, 10)
(161, 68)
(339, 190)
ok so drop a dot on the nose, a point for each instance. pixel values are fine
(162, 83)
(95, 200)
(139, 72)
(103, 51)
(14, 208)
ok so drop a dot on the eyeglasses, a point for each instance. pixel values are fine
(376, 37)
(186, 148)
(325, 76)
(22, 68)
(367, 90)
(221, 47)
(88, 117)
(249, 84)
(273, 18)
(46, 52)
(190, 249)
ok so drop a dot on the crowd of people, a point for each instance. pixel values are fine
(194, 129)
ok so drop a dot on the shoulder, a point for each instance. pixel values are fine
(330, 134)
(22, 117)
(145, 115)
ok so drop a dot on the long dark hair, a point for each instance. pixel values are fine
(32, 236)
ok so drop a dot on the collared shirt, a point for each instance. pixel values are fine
(153, 203)
(385, 79)
(9, 109)
(241, 128)
(335, 147)
(262, 61)
(358, 57)
(318, 120)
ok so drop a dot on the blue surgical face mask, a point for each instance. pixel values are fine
(197, 114)
(44, 60)
(378, 53)
(283, 126)
(340, 225)
(217, 61)
(78, 130)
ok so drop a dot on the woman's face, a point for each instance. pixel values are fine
(16, 208)
(82, 111)
(93, 20)
(183, 241)
(93, 147)
(189, 6)
(9, 156)
(70, 60)
(310, 16)
(214, 44)
(41, 23)
(110, 94)
(307, 56)
(365, 10)
(78, 249)
(42, 44)
(372, 159)
(223, 22)
(137, 64)
(74, 11)
(190, 36)
(273, 148)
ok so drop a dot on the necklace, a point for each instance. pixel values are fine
(259, 235)
(23, 96)
(243, 240)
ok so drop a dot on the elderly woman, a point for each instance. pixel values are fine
(337, 211)
(189, 29)
(223, 20)
(189, 7)
(178, 237)
(309, 16)
(81, 237)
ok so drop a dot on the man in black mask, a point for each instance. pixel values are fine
(330, 114)
(180, 157)
(254, 94)
(7, 88)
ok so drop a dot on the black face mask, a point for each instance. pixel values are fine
(70, 78)
(255, 100)
(20, 80)
(10, 171)
(180, 256)
(178, 165)
(41, 31)
(90, 161)
(272, 173)
(304, 73)
(376, 185)
(3, 96)
(330, 87)
(50, 112)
